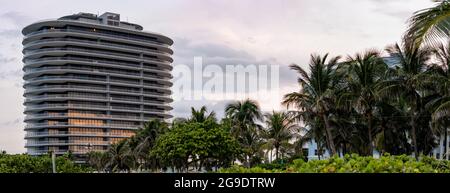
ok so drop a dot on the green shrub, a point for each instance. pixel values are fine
(23, 163)
(356, 164)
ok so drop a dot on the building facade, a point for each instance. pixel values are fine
(91, 80)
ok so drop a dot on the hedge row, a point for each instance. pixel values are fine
(355, 164)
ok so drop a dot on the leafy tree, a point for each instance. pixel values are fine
(24, 163)
(196, 145)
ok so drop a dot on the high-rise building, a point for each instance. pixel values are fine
(91, 80)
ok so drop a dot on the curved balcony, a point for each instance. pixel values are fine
(93, 107)
(59, 152)
(41, 116)
(64, 69)
(112, 45)
(96, 62)
(105, 54)
(93, 34)
(164, 95)
(72, 134)
(64, 97)
(93, 80)
(65, 124)
(65, 143)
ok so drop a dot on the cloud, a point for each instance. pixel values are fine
(188, 48)
(15, 17)
(4, 59)
(213, 53)
(12, 122)
(8, 33)
(13, 74)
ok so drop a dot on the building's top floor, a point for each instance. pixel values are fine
(108, 24)
(107, 18)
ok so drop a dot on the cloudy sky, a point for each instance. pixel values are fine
(222, 32)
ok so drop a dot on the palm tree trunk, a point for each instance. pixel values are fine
(329, 135)
(445, 156)
(384, 139)
(369, 132)
(413, 136)
(276, 153)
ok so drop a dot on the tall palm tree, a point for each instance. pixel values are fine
(201, 115)
(429, 25)
(245, 116)
(97, 160)
(279, 130)
(144, 140)
(406, 82)
(439, 77)
(365, 71)
(121, 158)
(316, 88)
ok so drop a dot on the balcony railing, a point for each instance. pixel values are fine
(95, 97)
(91, 106)
(108, 62)
(64, 77)
(93, 51)
(78, 151)
(43, 115)
(96, 34)
(65, 142)
(99, 43)
(33, 125)
(63, 96)
(31, 70)
(54, 115)
(71, 133)
(64, 86)
(66, 106)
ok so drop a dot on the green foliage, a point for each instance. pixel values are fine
(24, 163)
(356, 164)
(207, 144)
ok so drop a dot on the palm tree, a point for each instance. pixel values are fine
(97, 160)
(121, 158)
(279, 130)
(439, 77)
(144, 140)
(316, 91)
(200, 116)
(406, 82)
(429, 25)
(365, 71)
(244, 116)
